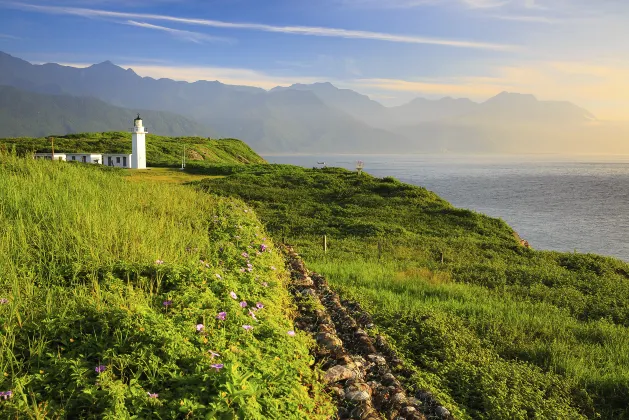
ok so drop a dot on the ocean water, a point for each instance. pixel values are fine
(563, 203)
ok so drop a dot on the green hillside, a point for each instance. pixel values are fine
(494, 330)
(115, 303)
(160, 150)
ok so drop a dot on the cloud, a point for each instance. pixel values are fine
(294, 30)
(7, 36)
(195, 37)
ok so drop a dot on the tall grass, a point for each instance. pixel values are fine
(110, 295)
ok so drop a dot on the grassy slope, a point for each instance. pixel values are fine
(160, 150)
(493, 329)
(79, 251)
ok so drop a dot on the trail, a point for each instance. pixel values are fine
(364, 375)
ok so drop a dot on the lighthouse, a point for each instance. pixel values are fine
(138, 147)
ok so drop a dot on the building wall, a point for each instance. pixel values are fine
(85, 158)
(48, 156)
(118, 161)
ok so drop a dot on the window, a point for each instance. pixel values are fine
(84, 159)
(118, 159)
(109, 161)
(73, 157)
(124, 161)
(96, 161)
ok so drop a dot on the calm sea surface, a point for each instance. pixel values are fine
(562, 203)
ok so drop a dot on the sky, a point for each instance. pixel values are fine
(391, 50)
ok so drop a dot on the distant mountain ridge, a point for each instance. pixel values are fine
(322, 118)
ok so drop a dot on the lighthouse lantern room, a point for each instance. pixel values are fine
(138, 146)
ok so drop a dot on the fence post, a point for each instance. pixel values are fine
(379, 250)
(325, 244)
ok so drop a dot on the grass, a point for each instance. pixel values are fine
(165, 175)
(493, 329)
(110, 296)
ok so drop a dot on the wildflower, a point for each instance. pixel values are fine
(265, 284)
(167, 303)
(233, 295)
(200, 327)
(263, 248)
(273, 267)
(291, 333)
(152, 395)
(250, 269)
(221, 316)
(249, 265)
(159, 262)
(242, 270)
(100, 368)
(217, 366)
(252, 315)
(213, 354)
(4, 301)
(245, 255)
(6, 394)
(218, 276)
(247, 327)
(246, 211)
(259, 305)
(41, 372)
(72, 340)
(243, 304)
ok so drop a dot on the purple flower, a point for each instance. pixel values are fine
(249, 265)
(221, 316)
(200, 327)
(247, 327)
(167, 303)
(263, 248)
(4, 301)
(213, 354)
(159, 262)
(245, 255)
(100, 368)
(250, 269)
(291, 333)
(243, 304)
(217, 366)
(152, 395)
(252, 315)
(242, 270)
(6, 394)
(233, 295)
(259, 305)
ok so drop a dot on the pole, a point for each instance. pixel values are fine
(379, 250)
(52, 141)
(325, 244)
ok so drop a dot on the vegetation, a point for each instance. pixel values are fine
(493, 329)
(116, 302)
(160, 150)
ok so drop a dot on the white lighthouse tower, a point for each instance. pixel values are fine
(138, 157)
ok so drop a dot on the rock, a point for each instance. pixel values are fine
(399, 399)
(356, 396)
(329, 341)
(364, 412)
(358, 386)
(342, 413)
(338, 392)
(409, 409)
(379, 360)
(424, 395)
(442, 412)
(337, 373)
(304, 281)
(389, 379)
(414, 401)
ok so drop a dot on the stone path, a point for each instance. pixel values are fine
(358, 368)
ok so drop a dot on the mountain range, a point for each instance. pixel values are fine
(300, 118)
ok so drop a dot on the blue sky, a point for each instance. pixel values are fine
(392, 50)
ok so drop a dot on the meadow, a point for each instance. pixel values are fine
(124, 300)
(491, 328)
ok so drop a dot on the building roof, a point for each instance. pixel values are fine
(138, 118)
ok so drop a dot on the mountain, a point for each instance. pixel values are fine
(268, 121)
(322, 118)
(32, 114)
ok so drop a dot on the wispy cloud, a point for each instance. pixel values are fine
(191, 36)
(295, 30)
(7, 36)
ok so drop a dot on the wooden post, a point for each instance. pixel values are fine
(325, 243)
(441, 257)
(52, 142)
(379, 250)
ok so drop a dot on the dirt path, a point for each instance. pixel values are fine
(364, 375)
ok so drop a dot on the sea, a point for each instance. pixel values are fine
(555, 202)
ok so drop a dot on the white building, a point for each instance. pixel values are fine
(84, 157)
(118, 160)
(136, 160)
(49, 156)
(138, 145)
